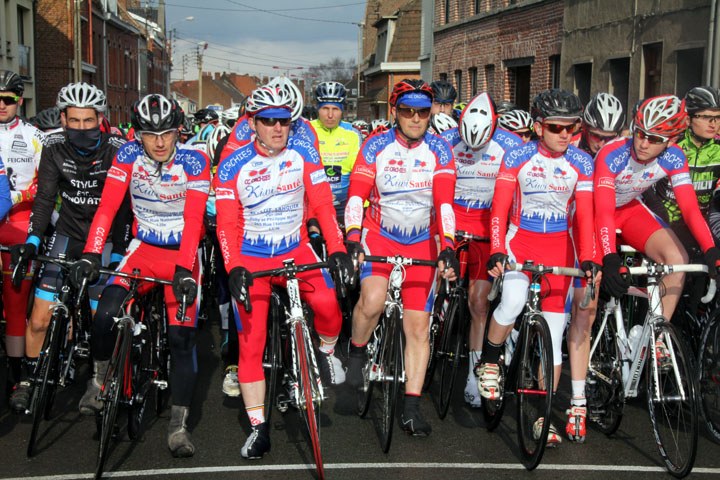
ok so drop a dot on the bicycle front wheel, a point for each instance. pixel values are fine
(709, 363)
(272, 359)
(437, 322)
(112, 389)
(364, 394)
(391, 371)
(451, 348)
(534, 390)
(142, 377)
(671, 401)
(310, 401)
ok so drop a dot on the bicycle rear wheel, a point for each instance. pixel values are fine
(112, 389)
(310, 401)
(604, 379)
(534, 390)
(391, 371)
(672, 403)
(709, 363)
(451, 351)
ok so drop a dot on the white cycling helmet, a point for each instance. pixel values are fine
(269, 97)
(220, 132)
(229, 116)
(605, 112)
(81, 95)
(515, 120)
(293, 92)
(477, 121)
(379, 123)
(441, 122)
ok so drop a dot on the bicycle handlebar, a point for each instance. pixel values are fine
(400, 260)
(653, 269)
(290, 269)
(469, 236)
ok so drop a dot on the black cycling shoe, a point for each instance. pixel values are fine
(257, 444)
(414, 423)
(356, 361)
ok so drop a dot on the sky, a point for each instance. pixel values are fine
(250, 36)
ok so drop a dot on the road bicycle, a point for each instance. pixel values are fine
(617, 365)
(385, 363)
(449, 327)
(529, 375)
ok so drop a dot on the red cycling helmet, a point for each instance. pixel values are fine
(664, 115)
(408, 86)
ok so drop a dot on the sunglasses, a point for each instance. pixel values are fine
(167, 135)
(524, 134)
(653, 139)
(9, 99)
(270, 122)
(406, 112)
(555, 128)
(601, 138)
(708, 118)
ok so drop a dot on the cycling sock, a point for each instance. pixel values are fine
(28, 367)
(473, 361)
(256, 414)
(412, 402)
(327, 347)
(578, 402)
(15, 369)
(354, 345)
(578, 389)
(491, 352)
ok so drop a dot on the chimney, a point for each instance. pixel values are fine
(217, 75)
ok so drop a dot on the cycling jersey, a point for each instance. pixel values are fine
(168, 199)
(20, 146)
(410, 189)
(621, 178)
(77, 179)
(476, 173)
(261, 201)
(338, 149)
(704, 165)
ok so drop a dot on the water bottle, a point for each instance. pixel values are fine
(634, 337)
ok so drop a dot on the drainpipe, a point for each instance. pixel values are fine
(710, 43)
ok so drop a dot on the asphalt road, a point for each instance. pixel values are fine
(459, 447)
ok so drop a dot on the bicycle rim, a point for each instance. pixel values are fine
(674, 417)
(112, 390)
(141, 383)
(271, 362)
(450, 354)
(391, 370)
(604, 380)
(534, 391)
(709, 362)
(310, 409)
(436, 332)
(161, 352)
(364, 394)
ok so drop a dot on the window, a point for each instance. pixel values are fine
(443, 77)
(689, 66)
(554, 71)
(21, 25)
(519, 83)
(582, 73)
(473, 81)
(620, 79)
(458, 85)
(477, 6)
(447, 11)
(652, 62)
(490, 80)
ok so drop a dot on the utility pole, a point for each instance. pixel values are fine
(77, 37)
(200, 48)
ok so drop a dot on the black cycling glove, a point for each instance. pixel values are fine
(184, 286)
(495, 258)
(712, 260)
(21, 253)
(88, 267)
(239, 282)
(613, 280)
(450, 260)
(341, 265)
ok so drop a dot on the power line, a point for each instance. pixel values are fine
(254, 9)
(243, 55)
(290, 16)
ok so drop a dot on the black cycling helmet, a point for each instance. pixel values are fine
(330, 92)
(309, 112)
(505, 107)
(205, 115)
(443, 91)
(188, 126)
(155, 113)
(557, 102)
(48, 119)
(11, 82)
(702, 98)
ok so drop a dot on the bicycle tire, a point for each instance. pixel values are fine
(272, 361)
(364, 394)
(451, 351)
(391, 369)
(161, 351)
(46, 371)
(604, 388)
(709, 376)
(534, 390)
(309, 409)
(675, 428)
(141, 381)
(112, 390)
(436, 330)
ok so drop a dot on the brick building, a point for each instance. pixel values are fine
(217, 89)
(395, 56)
(508, 48)
(123, 52)
(636, 49)
(17, 47)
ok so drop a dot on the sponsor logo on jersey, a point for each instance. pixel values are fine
(318, 176)
(117, 174)
(224, 194)
(199, 185)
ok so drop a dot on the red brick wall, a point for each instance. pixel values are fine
(53, 50)
(533, 31)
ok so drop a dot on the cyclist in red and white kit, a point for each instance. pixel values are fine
(168, 185)
(408, 176)
(20, 148)
(625, 168)
(261, 191)
(478, 147)
(537, 182)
